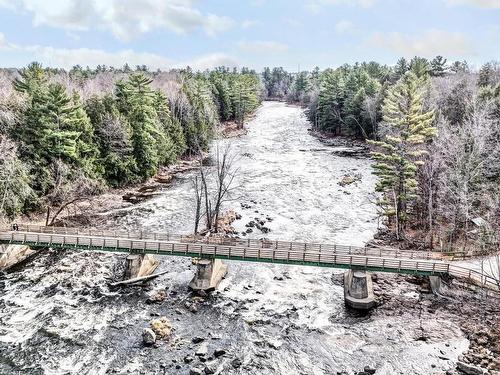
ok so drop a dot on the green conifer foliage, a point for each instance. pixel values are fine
(143, 120)
(400, 152)
(114, 140)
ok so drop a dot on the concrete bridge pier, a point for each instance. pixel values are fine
(138, 265)
(435, 283)
(358, 290)
(209, 273)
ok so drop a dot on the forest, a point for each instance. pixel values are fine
(69, 134)
(435, 132)
(434, 128)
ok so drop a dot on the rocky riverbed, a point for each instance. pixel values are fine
(58, 314)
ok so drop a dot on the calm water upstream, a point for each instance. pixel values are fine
(58, 316)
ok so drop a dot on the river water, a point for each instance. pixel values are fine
(58, 315)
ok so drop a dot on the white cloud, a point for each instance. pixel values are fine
(4, 44)
(246, 24)
(124, 18)
(209, 61)
(68, 57)
(316, 5)
(262, 47)
(429, 44)
(491, 4)
(343, 27)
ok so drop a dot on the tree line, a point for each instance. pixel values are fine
(65, 135)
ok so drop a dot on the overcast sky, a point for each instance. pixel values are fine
(254, 33)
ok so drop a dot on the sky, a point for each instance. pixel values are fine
(253, 33)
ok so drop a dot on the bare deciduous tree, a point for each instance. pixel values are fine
(214, 189)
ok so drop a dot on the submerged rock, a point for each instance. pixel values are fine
(236, 363)
(148, 336)
(157, 297)
(219, 352)
(470, 369)
(202, 350)
(161, 327)
(349, 179)
(275, 344)
(210, 367)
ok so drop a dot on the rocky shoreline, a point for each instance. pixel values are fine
(477, 314)
(342, 145)
(477, 317)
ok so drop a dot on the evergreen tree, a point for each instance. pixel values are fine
(143, 121)
(54, 127)
(485, 75)
(330, 101)
(460, 67)
(420, 66)
(167, 135)
(401, 68)
(438, 66)
(114, 140)
(300, 87)
(401, 151)
(15, 191)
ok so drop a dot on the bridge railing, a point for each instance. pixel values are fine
(267, 254)
(257, 243)
(191, 249)
(475, 276)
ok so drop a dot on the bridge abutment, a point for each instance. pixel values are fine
(358, 290)
(209, 273)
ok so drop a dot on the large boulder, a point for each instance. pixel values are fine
(10, 255)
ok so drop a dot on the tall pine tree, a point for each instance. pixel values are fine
(400, 152)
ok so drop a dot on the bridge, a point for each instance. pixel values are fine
(211, 250)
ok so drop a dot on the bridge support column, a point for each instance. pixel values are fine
(358, 290)
(209, 273)
(138, 265)
(435, 283)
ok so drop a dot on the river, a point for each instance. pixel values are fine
(58, 316)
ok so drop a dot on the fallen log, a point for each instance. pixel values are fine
(137, 279)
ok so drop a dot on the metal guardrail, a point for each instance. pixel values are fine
(254, 243)
(475, 277)
(222, 251)
(337, 256)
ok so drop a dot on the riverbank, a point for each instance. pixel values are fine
(342, 145)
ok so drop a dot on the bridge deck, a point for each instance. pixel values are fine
(253, 243)
(336, 257)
